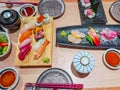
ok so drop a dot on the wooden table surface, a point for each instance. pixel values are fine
(101, 78)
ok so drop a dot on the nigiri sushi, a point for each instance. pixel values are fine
(27, 27)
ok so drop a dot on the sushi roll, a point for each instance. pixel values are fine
(47, 18)
(86, 3)
(89, 13)
(42, 19)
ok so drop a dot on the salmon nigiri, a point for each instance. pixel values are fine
(41, 49)
(25, 35)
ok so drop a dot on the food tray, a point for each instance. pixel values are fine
(29, 61)
(100, 17)
(63, 41)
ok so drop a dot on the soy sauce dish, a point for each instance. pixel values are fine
(27, 10)
(8, 78)
(111, 58)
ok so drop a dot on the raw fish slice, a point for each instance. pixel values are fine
(27, 27)
(73, 39)
(92, 33)
(108, 35)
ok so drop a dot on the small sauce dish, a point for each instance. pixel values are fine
(8, 78)
(27, 10)
(111, 58)
(83, 62)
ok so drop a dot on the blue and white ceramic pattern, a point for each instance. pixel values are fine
(83, 62)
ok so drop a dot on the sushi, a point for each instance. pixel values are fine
(42, 19)
(108, 34)
(86, 3)
(89, 13)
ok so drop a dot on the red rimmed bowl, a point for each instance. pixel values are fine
(9, 78)
(111, 58)
(27, 10)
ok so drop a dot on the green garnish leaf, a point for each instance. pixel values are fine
(89, 39)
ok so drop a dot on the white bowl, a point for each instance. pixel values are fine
(9, 44)
(83, 62)
(25, 10)
(4, 70)
(104, 59)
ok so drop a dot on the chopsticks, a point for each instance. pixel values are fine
(20, 3)
(55, 86)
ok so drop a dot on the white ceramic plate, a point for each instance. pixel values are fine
(17, 77)
(104, 59)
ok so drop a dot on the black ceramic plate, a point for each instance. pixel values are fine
(54, 8)
(63, 41)
(54, 75)
(100, 17)
(2, 30)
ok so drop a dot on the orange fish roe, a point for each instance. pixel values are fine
(112, 58)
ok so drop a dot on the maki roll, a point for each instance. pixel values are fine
(85, 3)
(89, 13)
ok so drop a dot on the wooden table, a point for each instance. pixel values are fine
(101, 78)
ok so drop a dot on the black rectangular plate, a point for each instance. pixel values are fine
(63, 41)
(100, 17)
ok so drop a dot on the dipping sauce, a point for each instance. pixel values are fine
(112, 58)
(27, 11)
(7, 79)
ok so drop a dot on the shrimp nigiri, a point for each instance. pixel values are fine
(41, 49)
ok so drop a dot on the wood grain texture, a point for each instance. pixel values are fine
(101, 78)
(29, 60)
